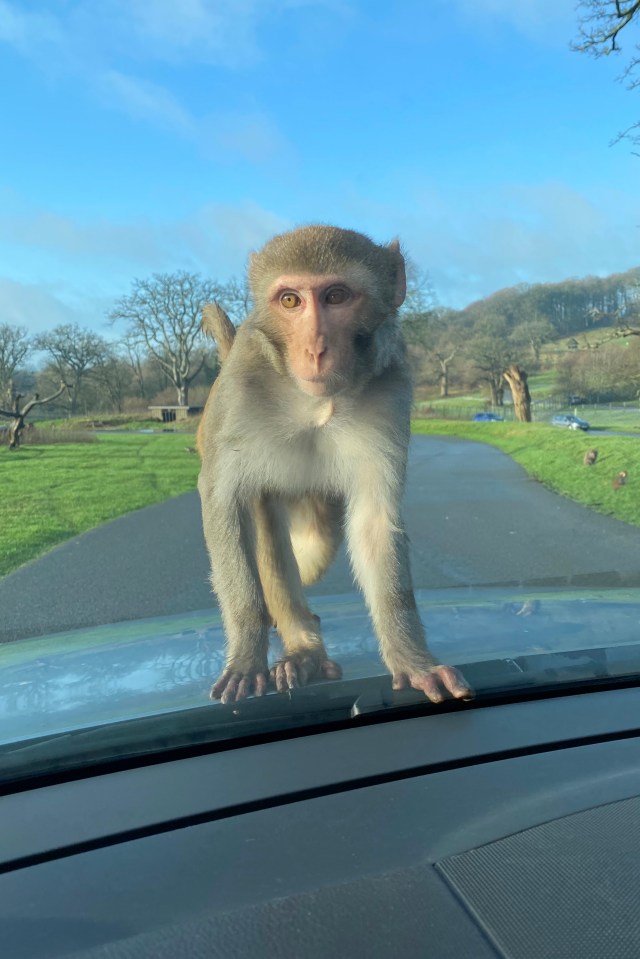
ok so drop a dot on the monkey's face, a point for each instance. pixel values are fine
(324, 328)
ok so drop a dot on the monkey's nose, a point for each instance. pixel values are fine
(315, 355)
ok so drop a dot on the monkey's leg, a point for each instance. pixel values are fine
(315, 527)
(380, 558)
(230, 535)
(305, 656)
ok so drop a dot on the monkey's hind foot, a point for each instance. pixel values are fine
(298, 669)
(437, 683)
(235, 685)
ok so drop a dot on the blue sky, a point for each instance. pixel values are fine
(142, 136)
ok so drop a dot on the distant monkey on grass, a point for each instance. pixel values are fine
(304, 437)
(620, 479)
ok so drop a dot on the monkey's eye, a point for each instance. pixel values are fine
(337, 296)
(290, 301)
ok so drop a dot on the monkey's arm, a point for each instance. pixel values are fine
(230, 536)
(380, 557)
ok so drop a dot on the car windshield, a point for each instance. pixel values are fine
(319, 366)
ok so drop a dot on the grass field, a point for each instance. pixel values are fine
(50, 493)
(554, 457)
(116, 421)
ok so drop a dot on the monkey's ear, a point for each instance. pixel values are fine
(400, 290)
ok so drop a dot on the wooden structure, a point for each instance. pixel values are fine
(174, 414)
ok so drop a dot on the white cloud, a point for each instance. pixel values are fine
(146, 101)
(41, 306)
(541, 19)
(220, 236)
(222, 32)
(110, 46)
(471, 243)
(29, 31)
(225, 33)
(542, 233)
(215, 236)
(70, 270)
(137, 240)
(250, 135)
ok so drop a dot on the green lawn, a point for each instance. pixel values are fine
(114, 421)
(542, 383)
(554, 457)
(50, 493)
(472, 403)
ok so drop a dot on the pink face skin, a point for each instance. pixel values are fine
(319, 317)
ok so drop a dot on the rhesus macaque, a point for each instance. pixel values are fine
(590, 457)
(304, 437)
(620, 479)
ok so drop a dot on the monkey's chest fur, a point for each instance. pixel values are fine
(294, 454)
(312, 445)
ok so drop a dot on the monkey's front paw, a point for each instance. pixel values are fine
(235, 684)
(302, 668)
(436, 683)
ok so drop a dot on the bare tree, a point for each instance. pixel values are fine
(164, 316)
(135, 356)
(516, 377)
(113, 375)
(600, 24)
(444, 344)
(492, 353)
(419, 308)
(74, 354)
(235, 296)
(532, 334)
(19, 415)
(14, 349)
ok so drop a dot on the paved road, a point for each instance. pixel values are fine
(474, 518)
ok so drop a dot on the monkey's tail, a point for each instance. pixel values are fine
(216, 323)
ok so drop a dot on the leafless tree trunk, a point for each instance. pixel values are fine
(19, 415)
(517, 380)
(444, 362)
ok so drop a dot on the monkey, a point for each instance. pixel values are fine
(303, 441)
(590, 457)
(620, 479)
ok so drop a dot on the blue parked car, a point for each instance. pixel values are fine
(488, 418)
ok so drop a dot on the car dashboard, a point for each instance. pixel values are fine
(505, 827)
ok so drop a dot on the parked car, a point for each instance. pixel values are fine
(488, 418)
(570, 422)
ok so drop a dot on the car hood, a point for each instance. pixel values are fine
(100, 675)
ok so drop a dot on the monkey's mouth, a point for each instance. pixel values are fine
(320, 385)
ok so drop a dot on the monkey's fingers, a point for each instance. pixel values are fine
(234, 686)
(302, 668)
(436, 683)
(454, 682)
(288, 674)
(331, 669)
